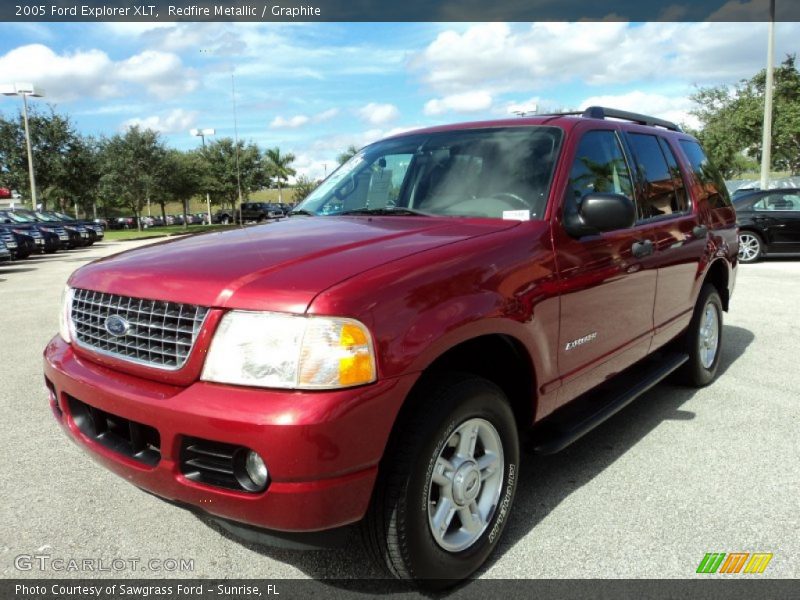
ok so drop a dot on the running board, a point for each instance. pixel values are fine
(580, 416)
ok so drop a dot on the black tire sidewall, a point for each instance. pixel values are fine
(428, 560)
(699, 374)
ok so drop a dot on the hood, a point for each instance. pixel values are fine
(279, 266)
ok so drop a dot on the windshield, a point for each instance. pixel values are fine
(46, 217)
(502, 173)
(61, 216)
(16, 218)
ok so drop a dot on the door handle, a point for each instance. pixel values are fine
(643, 248)
(700, 231)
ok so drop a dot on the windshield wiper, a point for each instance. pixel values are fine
(397, 211)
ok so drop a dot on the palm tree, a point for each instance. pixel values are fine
(347, 154)
(279, 166)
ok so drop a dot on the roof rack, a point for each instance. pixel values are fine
(601, 112)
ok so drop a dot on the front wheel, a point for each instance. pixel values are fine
(751, 247)
(447, 482)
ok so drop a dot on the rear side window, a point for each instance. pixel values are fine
(711, 182)
(600, 166)
(664, 192)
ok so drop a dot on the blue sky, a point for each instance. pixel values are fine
(313, 89)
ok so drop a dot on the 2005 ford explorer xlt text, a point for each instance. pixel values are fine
(375, 358)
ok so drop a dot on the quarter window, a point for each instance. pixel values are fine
(711, 182)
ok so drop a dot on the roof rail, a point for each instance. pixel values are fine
(601, 112)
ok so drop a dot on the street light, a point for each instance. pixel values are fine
(25, 90)
(202, 133)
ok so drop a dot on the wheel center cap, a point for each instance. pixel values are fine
(466, 483)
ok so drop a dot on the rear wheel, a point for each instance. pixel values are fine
(703, 339)
(751, 247)
(447, 482)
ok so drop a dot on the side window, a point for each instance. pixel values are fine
(660, 195)
(711, 182)
(681, 196)
(778, 201)
(600, 166)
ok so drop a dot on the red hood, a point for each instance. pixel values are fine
(281, 266)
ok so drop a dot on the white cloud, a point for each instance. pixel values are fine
(672, 108)
(289, 123)
(92, 73)
(296, 121)
(502, 58)
(376, 113)
(460, 103)
(176, 121)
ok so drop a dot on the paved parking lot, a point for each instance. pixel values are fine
(677, 474)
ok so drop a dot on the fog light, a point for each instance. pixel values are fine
(256, 469)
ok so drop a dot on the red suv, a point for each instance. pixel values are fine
(375, 358)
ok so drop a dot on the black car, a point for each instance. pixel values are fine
(5, 254)
(77, 235)
(91, 226)
(260, 211)
(31, 236)
(769, 223)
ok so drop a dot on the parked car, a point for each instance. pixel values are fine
(769, 223)
(93, 227)
(45, 238)
(9, 241)
(373, 365)
(223, 217)
(79, 235)
(5, 253)
(260, 211)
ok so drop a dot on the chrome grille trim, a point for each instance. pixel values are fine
(161, 334)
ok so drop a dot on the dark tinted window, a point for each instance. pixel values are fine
(779, 201)
(711, 182)
(681, 196)
(600, 166)
(658, 176)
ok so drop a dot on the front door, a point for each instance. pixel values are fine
(607, 292)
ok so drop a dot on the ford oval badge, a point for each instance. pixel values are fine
(117, 326)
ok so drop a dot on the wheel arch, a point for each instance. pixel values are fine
(499, 358)
(719, 275)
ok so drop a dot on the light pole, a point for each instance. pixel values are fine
(766, 140)
(202, 133)
(25, 90)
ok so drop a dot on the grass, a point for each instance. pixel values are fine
(154, 232)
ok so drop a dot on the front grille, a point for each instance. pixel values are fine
(214, 463)
(129, 438)
(150, 332)
(9, 239)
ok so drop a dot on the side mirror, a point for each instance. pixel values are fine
(598, 213)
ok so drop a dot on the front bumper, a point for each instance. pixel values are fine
(321, 448)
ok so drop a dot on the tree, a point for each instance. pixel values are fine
(732, 121)
(347, 154)
(179, 178)
(219, 172)
(303, 187)
(131, 165)
(64, 162)
(278, 167)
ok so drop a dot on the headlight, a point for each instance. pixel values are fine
(290, 351)
(64, 316)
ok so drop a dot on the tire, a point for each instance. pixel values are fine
(751, 247)
(702, 341)
(411, 492)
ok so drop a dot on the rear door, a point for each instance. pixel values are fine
(779, 213)
(668, 220)
(607, 293)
